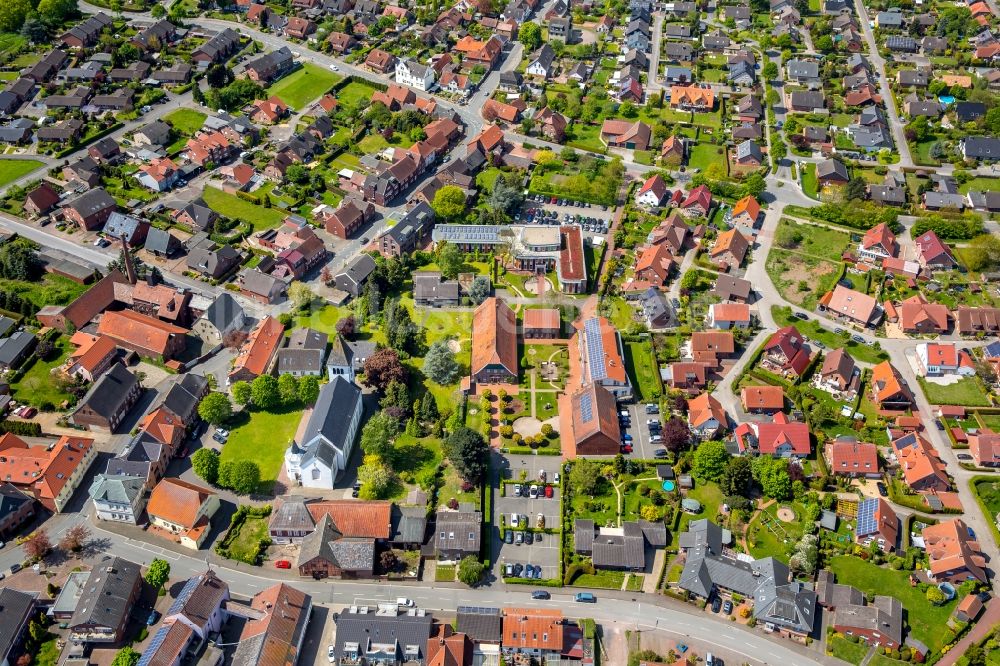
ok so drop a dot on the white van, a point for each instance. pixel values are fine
(403, 601)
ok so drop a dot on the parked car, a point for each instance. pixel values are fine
(585, 597)
(548, 492)
(331, 651)
(517, 490)
(626, 448)
(882, 490)
(222, 431)
(801, 315)
(518, 570)
(529, 538)
(660, 453)
(508, 570)
(283, 564)
(508, 537)
(727, 607)
(219, 438)
(518, 538)
(540, 521)
(716, 605)
(963, 456)
(533, 492)
(515, 520)
(404, 602)
(152, 618)
(14, 568)
(652, 408)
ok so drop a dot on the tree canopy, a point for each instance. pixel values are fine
(468, 451)
(710, 460)
(215, 408)
(440, 364)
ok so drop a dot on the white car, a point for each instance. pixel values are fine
(330, 654)
(514, 520)
(517, 490)
(533, 492)
(222, 431)
(335, 68)
(403, 601)
(555, 477)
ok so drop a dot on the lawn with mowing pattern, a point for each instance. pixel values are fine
(303, 86)
(642, 368)
(354, 92)
(233, 207)
(263, 438)
(11, 170)
(186, 121)
(245, 546)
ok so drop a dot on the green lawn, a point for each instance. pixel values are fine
(51, 289)
(773, 537)
(37, 386)
(809, 183)
(233, 207)
(9, 41)
(643, 370)
(989, 492)
(811, 239)
(11, 170)
(186, 121)
(304, 85)
(981, 184)
(968, 391)
(355, 91)
(852, 653)
(486, 179)
(783, 317)
(928, 623)
(263, 438)
(445, 573)
(710, 496)
(991, 421)
(585, 137)
(703, 155)
(603, 578)
(245, 546)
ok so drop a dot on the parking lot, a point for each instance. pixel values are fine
(642, 447)
(544, 550)
(594, 219)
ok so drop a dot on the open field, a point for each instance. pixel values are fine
(186, 121)
(304, 85)
(233, 207)
(11, 170)
(811, 239)
(801, 279)
(263, 438)
(968, 391)
(354, 92)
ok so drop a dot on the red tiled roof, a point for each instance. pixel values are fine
(763, 397)
(494, 336)
(853, 457)
(354, 518)
(256, 353)
(177, 501)
(138, 330)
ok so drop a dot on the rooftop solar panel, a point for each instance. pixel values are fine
(586, 407)
(866, 523)
(595, 349)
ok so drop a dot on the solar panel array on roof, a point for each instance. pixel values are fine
(586, 407)
(468, 233)
(993, 350)
(479, 610)
(595, 349)
(158, 638)
(866, 517)
(189, 587)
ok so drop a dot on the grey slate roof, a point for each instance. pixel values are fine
(200, 597)
(106, 596)
(409, 523)
(291, 514)
(117, 488)
(223, 311)
(336, 399)
(481, 624)
(832, 594)
(456, 526)
(802, 69)
(404, 636)
(358, 270)
(11, 499)
(110, 391)
(583, 535)
(982, 147)
(748, 149)
(162, 241)
(15, 348)
(92, 202)
(15, 607)
(119, 225)
(828, 168)
(183, 396)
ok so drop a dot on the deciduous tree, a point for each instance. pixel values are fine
(215, 408)
(383, 367)
(242, 393)
(74, 538)
(38, 545)
(205, 463)
(470, 570)
(710, 460)
(468, 452)
(308, 390)
(378, 435)
(449, 202)
(158, 573)
(265, 393)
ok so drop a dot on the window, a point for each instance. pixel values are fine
(443, 536)
(472, 536)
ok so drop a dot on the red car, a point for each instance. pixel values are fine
(626, 448)
(29, 413)
(548, 491)
(283, 564)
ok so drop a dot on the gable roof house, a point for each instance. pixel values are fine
(594, 422)
(954, 553)
(275, 629)
(387, 636)
(600, 355)
(257, 354)
(779, 602)
(786, 352)
(355, 274)
(457, 534)
(706, 416)
(49, 474)
(618, 547)
(183, 510)
(849, 457)
(91, 209)
(889, 391)
(328, 439)
(730, 249)
(109, 400)
(494, 334)
(921, 465)
(838, 372)
(105, 603)
(878, 243)
(932, 252)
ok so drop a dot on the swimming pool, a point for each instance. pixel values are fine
(947, 100)
(668, 485)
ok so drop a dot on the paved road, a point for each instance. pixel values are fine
(875, 58)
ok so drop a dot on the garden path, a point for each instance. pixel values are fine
(618, 491)
(756, 514)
